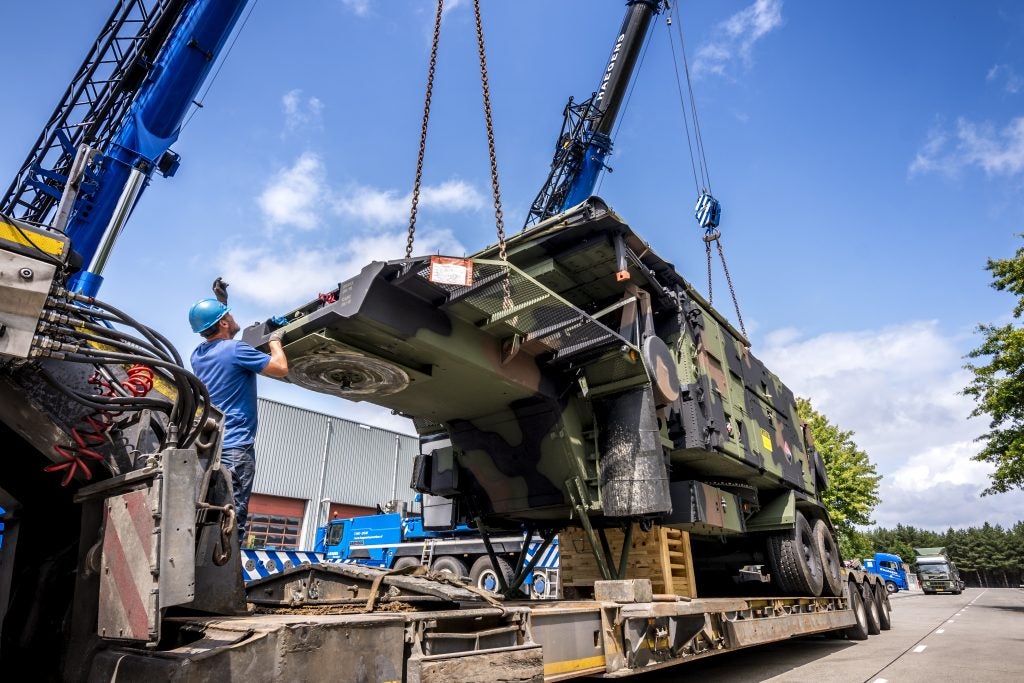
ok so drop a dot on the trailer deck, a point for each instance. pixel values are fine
(361, 624)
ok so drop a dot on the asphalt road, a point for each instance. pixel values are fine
(977, 636)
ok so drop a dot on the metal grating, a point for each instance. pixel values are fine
(506, 301)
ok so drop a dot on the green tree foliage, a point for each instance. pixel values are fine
(852, 492)
(998, 385)
(988, 555)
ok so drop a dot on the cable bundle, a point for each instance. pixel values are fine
(81, 329)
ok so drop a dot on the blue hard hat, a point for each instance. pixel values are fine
(205, 314)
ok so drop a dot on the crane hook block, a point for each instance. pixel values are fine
(708, 210)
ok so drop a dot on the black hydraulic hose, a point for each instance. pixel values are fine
(125, 346)
(186, 382)
(103, 330)
(105, 403)
(147, 331)
(154, 338)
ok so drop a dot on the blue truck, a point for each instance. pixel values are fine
(397, 540)
(891, 568)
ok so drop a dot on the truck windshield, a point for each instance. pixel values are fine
(933, 568)
(334, 533)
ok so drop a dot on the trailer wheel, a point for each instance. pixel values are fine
(831, 567)
(858, 631)
(872, 609)
(403, 562)
(451, 565)
(482, 575)
(891, 587)
(795, 561)
(884, 609)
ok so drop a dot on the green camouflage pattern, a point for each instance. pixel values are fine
(583, 376)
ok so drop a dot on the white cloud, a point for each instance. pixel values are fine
(1012, 82)
(897, 388)
(299, 112)
(299, 197)
(360, 8)
(738, 34)
(288, 276)
(449, 5)
(980, 145)
(384, 208)
(295, 196)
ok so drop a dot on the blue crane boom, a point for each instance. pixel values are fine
(585, 139)
(130, 98)
(141, 144)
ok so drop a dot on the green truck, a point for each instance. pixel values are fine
(937, 573)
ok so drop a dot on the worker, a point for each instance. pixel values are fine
(228, 368)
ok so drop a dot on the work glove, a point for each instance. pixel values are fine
(220, 290)
(276, 335)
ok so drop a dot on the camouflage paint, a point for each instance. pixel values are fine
(556, 379)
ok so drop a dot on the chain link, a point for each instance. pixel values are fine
(499, 220)
(711, 294)
(715, 236)
(423, 130)
(728, 279)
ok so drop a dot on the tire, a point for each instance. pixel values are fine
(452, 565)
(858, 631)
(874, 613)
(884, 608)
(891, 587)
(409, 561)
(795, 561)
(541, 579)
(483, 575)
(828, 553)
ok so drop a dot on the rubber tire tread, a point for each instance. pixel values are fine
(789, 567)
(407, 561)
(871, 608)
(884, 608)
(858, 631)
(832, 582)
(483, 563)
(451, 564)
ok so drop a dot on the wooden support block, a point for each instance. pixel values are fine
(660, 555)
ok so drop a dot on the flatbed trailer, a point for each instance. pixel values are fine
(351, 623)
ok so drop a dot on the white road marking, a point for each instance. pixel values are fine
(941, 630)
(950, 621)
(880, 680)
(920, 648)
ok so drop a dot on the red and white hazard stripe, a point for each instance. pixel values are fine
(128, 586)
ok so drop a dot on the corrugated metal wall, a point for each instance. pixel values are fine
(360, 458)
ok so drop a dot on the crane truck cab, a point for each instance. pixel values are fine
(891, 568)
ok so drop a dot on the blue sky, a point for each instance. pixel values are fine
(869, 158)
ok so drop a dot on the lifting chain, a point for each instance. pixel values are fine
(423, 130)
(485, 86)
(499, 220)
(710, 236)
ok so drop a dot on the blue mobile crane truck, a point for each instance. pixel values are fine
(891, 568)
(397, 540)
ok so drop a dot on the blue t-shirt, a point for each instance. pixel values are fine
(228, 368)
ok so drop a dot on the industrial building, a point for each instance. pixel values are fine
(311, 467)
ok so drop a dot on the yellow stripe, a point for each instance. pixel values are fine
(51, 246)
(555, 668)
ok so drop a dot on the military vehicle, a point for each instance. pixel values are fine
(581, 382)
(936, 573)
